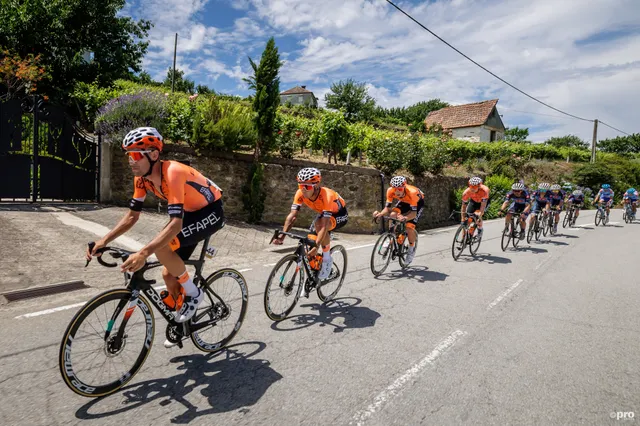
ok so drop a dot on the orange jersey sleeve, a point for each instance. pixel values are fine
(139, 190)
(298, 199)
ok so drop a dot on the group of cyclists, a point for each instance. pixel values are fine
(195, 208)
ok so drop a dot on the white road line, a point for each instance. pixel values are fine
(362, 246)
(50, 311)
(612, 223)
(505, 294)
(99, 230)
(245, 270)
(542, 263)
(361, 416)
(267, 265)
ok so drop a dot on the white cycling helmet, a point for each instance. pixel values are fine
(555, 187)
(309, 175)
(577, 192)
(142, 138)
(475, 181)
(518, 186)
(398, 182)
(544, 185)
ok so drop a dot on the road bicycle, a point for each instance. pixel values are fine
(297, 272)
(119, 320)
(570, 217)
(392, 245)
(551, 221)
(601, 215)
(512, 231)
(628, 214)
(537, 225)
(467, 235)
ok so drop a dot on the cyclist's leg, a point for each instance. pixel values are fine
(534, 209)
(411, 225)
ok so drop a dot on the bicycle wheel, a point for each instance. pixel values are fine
(224, 307)
(474, 244)
(567, 218)
(516, 237)
(598, 217)
(329, 288)
(531, 231)
(284, 278)
(404, 249)
(97, 325)
(381, 254)
(459, 242)
(538, 229)
(507, 234)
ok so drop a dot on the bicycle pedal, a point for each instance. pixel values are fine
(179, 343)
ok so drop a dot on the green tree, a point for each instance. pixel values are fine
(621, 144)
(266, 84)
(181, 83)
(62, 32)
(413, 116)
(332, 135)
(568, 141)
(516, 134)
(353, 98)
(203, 89)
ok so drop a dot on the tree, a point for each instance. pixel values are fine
(621, 144)
(62, 32)
(353, 98)
(516, 134)
(568, 141)
(181, 84)
(19, 75)
(266, 84)
(203, 89)
(414, 115)
(332, 135)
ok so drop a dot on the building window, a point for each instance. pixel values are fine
(300, 99)
(492, 138)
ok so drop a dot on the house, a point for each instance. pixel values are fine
(299, 95)
(477, 122)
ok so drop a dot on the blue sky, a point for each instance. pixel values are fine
(584, 59)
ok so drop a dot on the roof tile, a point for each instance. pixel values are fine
(468, 115)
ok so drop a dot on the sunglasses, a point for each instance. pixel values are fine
(306, 186)
(137, 155)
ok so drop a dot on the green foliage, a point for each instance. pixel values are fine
(498, 185)
(253, 194)
(617, 171)
(352, 98)
(223, 125)
(181, 84)
(293, 134)
(621, 144)
(412, 116)
(62, 30)
(331, 135)
(569, 141)
(89, 98)
(266, 84)
(516, 134)
(387, 152)
(180, 123)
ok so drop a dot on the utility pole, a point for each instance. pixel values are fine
(595, 140)
(173, 75)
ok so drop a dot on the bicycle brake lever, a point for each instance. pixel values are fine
(92, 244)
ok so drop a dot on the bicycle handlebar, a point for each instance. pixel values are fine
(116, 253)
(277, 233)
(375, 220)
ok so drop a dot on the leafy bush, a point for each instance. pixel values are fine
(498, 185)
(332, 134)
(386, 152)
(436, 154)
(181, 115)
(127, 112)
(253, 194)
(228, 126)
(89, 98)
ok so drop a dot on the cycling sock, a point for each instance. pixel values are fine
(186, 282)
(326, 252)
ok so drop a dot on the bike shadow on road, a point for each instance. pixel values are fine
(527, 248)
(232, 378)
(567, 236)
(344, 307)
(485, 257)
(556, 243)
(420, 273)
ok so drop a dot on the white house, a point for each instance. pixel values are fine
(299, 95)
(477, 122)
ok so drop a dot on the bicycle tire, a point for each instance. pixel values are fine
(475, 242)
(327, 297)
(530, 231)
(196, 337)
(458, 247)
(386, 256)
(515, 241)
(293, 260)
(508, 233)
(405, 248)
(538, 229)
(65, 355)
(567, 218)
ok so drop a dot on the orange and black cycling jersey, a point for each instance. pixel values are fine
(327, 203)
(412, 196)
(482, 194)
(183, 187)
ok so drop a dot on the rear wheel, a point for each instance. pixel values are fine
(329, 288)
(476, 239)
(404, 249)
(283, 288)
(381, 254)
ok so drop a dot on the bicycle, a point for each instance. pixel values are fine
(551, 221)
(466, 235)
(113, 334)
(537, 226)
(304, 275)
(510, 234)
(569, 217)
(601, 216)
(392, 245)
(628, 214)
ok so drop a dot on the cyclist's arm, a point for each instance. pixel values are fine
(288, 222)
(384, 212)
(463, 209)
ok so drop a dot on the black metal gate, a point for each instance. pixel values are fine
(44, 156)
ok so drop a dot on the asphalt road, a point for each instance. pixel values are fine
(545, 334)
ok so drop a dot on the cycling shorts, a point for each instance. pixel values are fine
(474, 206)
(539, 205)
(337, 220)
(196, 226)
(405, 208)
(517, 208)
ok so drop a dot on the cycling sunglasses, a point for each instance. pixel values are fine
(137, 155)
(307, 186)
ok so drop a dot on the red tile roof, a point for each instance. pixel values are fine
(296, 91)
(469, 115)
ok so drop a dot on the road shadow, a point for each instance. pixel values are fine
(344, 307)
(553, 242)
(567, 236)
(420, 273)
(528, 248)
(230, 380)
(485, 257)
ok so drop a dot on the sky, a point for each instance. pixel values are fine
(580, 56)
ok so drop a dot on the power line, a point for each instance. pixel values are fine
(611, 127)
(496, 76)
(534, 113)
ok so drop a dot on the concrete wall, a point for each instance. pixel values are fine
(360, 187)
(477, 134)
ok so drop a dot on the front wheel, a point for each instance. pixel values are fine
(531, 231)
(283, 288)
(459, 242)
(507, 234)
(92, 353)
(598, 218)
(567, 219)
(224, 307)
(381, 254)
(329, 288)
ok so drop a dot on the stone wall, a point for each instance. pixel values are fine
(360, 187)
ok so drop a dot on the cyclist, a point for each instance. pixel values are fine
(605, 195)
(479, 196)
(409, 208)
(332, 214)
(540, 200)
(631, 197)
(556, 199)
(576, 199)
(519, 202)
(195, 211)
